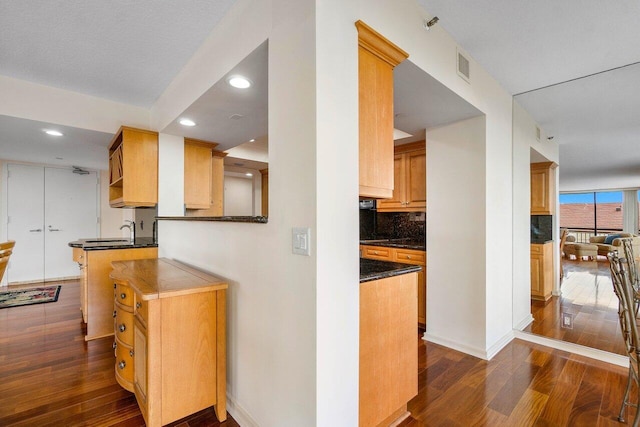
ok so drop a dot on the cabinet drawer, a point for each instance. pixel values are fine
(410, 257)
(124, 295)
(377, 252)
(124, 363)
(142, 309)
(124, 325)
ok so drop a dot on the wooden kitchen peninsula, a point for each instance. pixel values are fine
(170, 338)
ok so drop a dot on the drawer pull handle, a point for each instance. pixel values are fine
(122, 327)
(122, 364)
(138, 304)
(375, 252)
(131, 353)
(123, 295)
(408, 256)
(114, 345)
(114, 314)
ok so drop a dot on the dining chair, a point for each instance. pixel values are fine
(632, 266)
(6, 248)
(623, 289)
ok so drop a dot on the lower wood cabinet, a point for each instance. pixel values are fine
(388, 349)
(405, 256)
(170, 338)
(96, 288)
(541, 271)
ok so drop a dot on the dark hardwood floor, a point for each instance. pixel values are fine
(587, 295)
(524, 385)
(49, 376)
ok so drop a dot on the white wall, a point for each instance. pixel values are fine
(456, 230)
(272, 293)
(524, 139)
(110, 218)
(238, 196)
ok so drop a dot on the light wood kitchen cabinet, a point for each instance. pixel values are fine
(133, 168)
(405, 256)
(178, 338)
(541, 271)
(388, 350)
(543, 184)
(197, 173)
(410, 180)
(96, 289)
(203, 178)
(377, 58)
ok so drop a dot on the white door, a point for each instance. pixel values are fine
(70, 213)
(47, 208)
(25, 208)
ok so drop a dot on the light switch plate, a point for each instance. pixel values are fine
(301, 240)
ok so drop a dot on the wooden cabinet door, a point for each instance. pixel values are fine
(543, 188)
(536, 275)
(197, 176)
(416, 181)
(399, 182)
(140, 362)
(376, 59)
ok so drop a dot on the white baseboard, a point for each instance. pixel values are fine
(500, 344)
(604, 356)
(473, 351)
(528, 319)
(239, 413)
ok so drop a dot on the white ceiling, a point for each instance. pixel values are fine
(127, 51)
(532, 45)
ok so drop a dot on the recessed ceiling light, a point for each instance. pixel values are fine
(187, 122)
(248, 174)
(239, 82)
(252, 140)
(52, 132)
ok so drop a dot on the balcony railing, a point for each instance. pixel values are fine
(583, 234)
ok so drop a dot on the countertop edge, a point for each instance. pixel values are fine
(391, 269)
(244, 219)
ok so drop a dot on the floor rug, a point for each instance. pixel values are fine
(28, 296)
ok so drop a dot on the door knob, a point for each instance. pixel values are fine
(53, 229)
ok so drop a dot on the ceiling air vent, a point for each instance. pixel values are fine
(464, 69)
(537, 133)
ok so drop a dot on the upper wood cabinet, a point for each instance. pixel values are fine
(543, 184)
(197, 173)
(203, 178)
(377, 58)
(133, 168)
(410, 180)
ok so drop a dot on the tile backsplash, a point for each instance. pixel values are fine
(392, 225)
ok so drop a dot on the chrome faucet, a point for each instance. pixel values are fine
(132, 229)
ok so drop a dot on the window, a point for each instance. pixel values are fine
(593, 213)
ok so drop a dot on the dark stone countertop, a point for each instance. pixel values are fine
(417, 245)
(104, 243)
(251, 219)
(371, 269)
